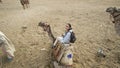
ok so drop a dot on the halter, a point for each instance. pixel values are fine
(116, 15)
(111, 15)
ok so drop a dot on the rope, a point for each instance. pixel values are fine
(111, 18)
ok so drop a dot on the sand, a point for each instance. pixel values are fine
(89, 20)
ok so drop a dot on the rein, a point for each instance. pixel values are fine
(112, 19)
(116, 15)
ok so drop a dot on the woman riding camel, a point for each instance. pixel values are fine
(65, 39)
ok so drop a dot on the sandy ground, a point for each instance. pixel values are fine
(89, 20)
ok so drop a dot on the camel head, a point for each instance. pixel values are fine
(46, 27)
(111, 10)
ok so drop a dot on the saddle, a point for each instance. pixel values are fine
(63, 53)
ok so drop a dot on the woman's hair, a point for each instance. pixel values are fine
(69, 26)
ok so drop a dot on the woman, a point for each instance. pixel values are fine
(65, 39)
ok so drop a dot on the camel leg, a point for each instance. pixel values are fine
(27, 5)
(23, 6)
(55, 42)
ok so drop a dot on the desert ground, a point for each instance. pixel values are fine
(90, 22)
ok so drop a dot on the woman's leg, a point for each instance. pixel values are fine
(58, 39)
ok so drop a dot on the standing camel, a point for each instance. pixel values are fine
(115, 13)
(115, 17)
(25, 3)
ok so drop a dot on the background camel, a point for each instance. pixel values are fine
(25, 3)
(115, 14)
(0, 0)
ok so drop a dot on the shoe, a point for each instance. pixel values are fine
(10, 59)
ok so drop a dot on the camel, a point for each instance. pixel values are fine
(115, 17)
(59, 50)
(115, 13)
(24, 3)
(0, 0)
(7, 46)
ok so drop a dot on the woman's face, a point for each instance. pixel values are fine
(67, 27)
